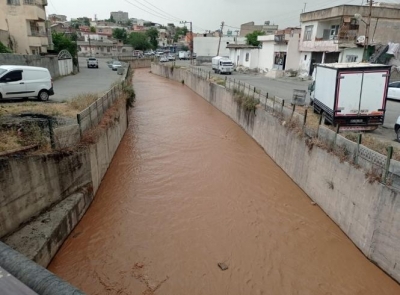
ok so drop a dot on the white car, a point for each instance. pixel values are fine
(394, 91)
(115, 65)
(171, 57)
(163, 58)
(24, 81)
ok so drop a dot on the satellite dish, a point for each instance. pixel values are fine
(361, 39)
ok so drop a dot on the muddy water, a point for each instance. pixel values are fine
(188, 189)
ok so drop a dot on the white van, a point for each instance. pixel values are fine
(24, 81)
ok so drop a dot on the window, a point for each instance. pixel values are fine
(305, 57)
(351, 58)
(247, 56)
(13, 2)
(13, 76)
(334, 32)
(308, 33)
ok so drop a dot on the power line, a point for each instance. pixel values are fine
(164, 12)
(160, 16)
(52, 5)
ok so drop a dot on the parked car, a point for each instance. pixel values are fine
(24, 81)
(171, 57)
(394, 91)
(92, 62)
(115, 65)
(164, 58)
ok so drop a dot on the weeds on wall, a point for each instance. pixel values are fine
(248, 103)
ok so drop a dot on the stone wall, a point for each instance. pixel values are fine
(368, 213)
(49, 62)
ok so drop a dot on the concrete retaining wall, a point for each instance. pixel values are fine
(32, 184)
(51, 63)
(368, 213)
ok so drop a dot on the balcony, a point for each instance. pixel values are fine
(33, 11)
(319, 45)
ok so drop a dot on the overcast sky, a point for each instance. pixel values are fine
(205, 14)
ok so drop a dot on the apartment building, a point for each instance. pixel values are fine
(120, 16)
(337, 34)
(24, 24)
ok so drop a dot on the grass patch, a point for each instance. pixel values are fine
(50, 109)
(248, 103)
(82, 101)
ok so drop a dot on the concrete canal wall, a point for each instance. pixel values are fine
(369, 213)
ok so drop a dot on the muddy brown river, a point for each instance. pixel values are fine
(189, 189)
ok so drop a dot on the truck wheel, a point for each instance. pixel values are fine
(398, 135)
(43, 95)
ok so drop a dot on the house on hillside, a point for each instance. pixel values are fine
(337, 34)
(244, 55)
(280, 51)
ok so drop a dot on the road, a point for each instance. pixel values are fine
(86, 81)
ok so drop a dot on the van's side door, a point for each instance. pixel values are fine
(12, 85)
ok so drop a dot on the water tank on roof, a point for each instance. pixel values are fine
(267, 23)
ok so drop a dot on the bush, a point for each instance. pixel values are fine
(130, 95)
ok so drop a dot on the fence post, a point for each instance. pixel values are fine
(319, 124)
(305, 119)
(52, 141)
(336, 133)
(283, 104)
(387, 166)
(359, 139)
(293, 110)
(90, 116)
(78, 118)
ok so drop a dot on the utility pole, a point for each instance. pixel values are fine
(191, 39)
(90, 46)
(305, 5)
(237, 35)
(191, 43)
(220, 36)
(368, 25)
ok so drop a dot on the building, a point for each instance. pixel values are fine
(120, 16)
(208, 46)
(24, 23)
(104, 47)
(336, 35)
(55, 18)
(244, 55)
(250, 27)
(281, 50)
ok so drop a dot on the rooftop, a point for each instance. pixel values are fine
(241, 46)
(352, 65)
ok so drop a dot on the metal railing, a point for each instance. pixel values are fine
(379, 165)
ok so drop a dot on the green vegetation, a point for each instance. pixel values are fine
(92, 30)
(248, 103)
(4, 49)
(251, 38)
(180, 31)
(139, 41)
(120, 34)
(152, 33)
(62, 42)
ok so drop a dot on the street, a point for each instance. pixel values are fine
(86, 81)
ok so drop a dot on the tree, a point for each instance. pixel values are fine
(139, 41)
(152, 33)
(62, 42)
(180, 31)
(120, 34)
(92, 29)
(4, 49)
(86, 21)
(251, 38)
(112, 20)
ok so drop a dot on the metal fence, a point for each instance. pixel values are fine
(379, 165)
(93, 114)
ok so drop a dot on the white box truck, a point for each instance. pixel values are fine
(222, 65)
(352, 95)
(184, 55)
